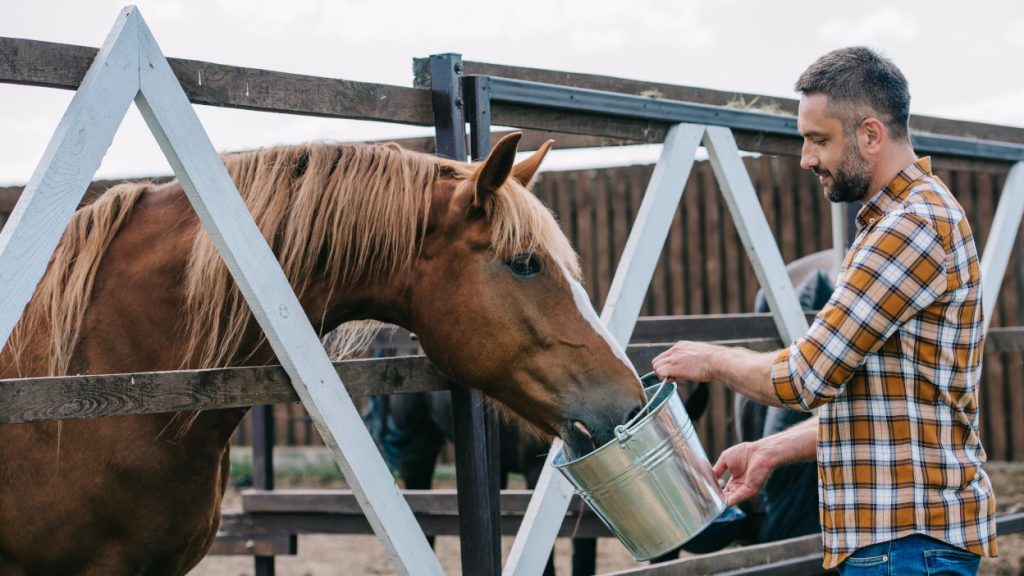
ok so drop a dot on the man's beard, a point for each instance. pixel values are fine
(852, 177)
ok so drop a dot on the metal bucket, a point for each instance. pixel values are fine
(653, 486)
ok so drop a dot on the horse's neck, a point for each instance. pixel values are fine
(133, 319)
(139, 293)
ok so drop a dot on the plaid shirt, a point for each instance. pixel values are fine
(893, 360)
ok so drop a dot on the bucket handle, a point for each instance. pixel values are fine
(622, 431)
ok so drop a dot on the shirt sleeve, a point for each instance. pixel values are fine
(896, 272)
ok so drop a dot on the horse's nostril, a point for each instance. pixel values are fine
(582, 428)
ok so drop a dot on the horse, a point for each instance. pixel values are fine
(461, 254)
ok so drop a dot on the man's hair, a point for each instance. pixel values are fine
(858, 77)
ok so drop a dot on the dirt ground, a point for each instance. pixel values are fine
(330, 555)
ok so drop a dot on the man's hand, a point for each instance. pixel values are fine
(750, 469)
(745, 371)
(752, 462)
(686, 361)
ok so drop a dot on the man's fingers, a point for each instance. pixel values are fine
(734, 494)
(720, 467)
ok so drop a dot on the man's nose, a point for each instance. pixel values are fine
(808, 160)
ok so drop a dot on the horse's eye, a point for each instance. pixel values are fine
(524, 264)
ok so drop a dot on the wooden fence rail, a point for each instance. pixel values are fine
(54, 65)
(93, 396)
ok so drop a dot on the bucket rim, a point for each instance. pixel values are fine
(662, 396)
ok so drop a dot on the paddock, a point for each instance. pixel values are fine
(592, 111)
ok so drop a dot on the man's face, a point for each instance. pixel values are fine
(831, 152)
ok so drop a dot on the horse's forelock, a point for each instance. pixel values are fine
(522, 224)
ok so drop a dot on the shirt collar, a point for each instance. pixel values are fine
(893, 192)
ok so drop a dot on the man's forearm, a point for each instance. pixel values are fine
(798, 443)
(746, 372)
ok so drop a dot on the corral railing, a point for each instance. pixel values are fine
(703, 270)
(63, 66)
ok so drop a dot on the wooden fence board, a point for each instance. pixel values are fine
(53, 65)
(603, 238)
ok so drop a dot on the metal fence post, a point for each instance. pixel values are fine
(479, 517)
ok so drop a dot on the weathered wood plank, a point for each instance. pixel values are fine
(33, 399)
(337, 512)
(340, 501)
(431, 524)
(52, 65)
(532, 140)
(735, 559)
(242, 544)
(782, 557)
(93, 396)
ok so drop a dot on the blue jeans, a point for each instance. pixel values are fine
(913, 555)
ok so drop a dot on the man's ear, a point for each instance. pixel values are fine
(871, 135)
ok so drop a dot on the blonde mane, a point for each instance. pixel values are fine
(342, 213)
(60, 301)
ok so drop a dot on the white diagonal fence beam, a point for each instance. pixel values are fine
(633, 275)
(650, 230)
(754, 232)
(840, 224)
(65, 170)
(1001, 239)
(130, 65)
(254, 267)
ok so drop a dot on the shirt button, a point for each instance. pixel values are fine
(871, 220)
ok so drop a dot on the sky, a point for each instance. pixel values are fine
(962, 59)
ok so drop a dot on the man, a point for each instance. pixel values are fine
(891, 362)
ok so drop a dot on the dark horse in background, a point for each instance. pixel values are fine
(463, 255)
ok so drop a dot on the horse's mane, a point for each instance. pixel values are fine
(60, 301)
(344, 212)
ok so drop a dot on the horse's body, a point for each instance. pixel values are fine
(475, 267)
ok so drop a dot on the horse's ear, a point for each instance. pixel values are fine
(496, 168)
(527, 169)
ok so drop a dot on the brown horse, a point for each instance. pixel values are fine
(463, 255)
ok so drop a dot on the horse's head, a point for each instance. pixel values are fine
(496, 302)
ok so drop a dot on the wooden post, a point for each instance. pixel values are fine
(263, 468)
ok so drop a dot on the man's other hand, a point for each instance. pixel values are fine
(750, 468)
